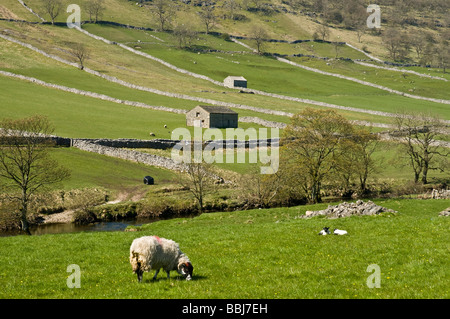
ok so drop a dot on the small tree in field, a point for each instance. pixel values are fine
(323, 31)
(185, 35)
(164, 12)
(25, 164)
(208, 15)
(80, 53)
(354, 159)
(259, 34)
(198, 180)
(420, 134)
(259, 189)
(310, 143)
(53, 8)
(95, 9)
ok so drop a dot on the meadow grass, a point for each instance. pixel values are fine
(131, 69)
(247, 254)
(95, 170)
(84, 117)
(404, 82)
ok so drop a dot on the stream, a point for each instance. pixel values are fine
(60, 228)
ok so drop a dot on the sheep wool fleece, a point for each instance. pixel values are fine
(152, 252)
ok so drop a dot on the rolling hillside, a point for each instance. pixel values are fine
(137, 79)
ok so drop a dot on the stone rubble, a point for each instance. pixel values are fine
(359, 208)
(445, 212)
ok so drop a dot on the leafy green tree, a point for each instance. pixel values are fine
(310, 142)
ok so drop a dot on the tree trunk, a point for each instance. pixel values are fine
(200, 203)
(315, 192)
(416, 177)
(23, 217)
(425, 173)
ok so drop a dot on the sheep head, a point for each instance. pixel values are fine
(185, 268)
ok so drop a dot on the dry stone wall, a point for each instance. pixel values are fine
(129, 155)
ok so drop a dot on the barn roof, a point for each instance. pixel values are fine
(239, 78)
(217, 109)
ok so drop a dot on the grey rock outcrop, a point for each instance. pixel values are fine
(359, 208)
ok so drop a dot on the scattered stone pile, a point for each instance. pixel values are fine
(445, 212)
(350, 209)
(440, 194)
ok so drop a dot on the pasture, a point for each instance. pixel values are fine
(268, 253)
(257, 254)
(264, 253)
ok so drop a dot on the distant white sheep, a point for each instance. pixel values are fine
(165, 126)
(152, 252)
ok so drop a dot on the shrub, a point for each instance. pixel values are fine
(84, 217)
(226, 37)
(115, 211)
(9, 217)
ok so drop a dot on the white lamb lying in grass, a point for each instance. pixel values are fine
(325, 231)
(152, 252)
(339, 232)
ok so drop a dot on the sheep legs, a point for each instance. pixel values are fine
(157, 272)
(139, 275)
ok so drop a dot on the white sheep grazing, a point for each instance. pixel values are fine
(152, 252)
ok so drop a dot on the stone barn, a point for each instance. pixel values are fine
(235, 81)
(212, 117)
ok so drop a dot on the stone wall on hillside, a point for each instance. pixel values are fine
(165, 143)
(130, 155)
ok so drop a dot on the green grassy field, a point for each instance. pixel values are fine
(83, 117)
(264, 253)
(257, 254)
(94, 170)
(289, 80)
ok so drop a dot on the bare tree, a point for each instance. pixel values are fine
(337, 48)
(231, 6)
(25, 163)
(419, 134)
(199, 180)
(164, 11)
(207, 14)
(397, 43)
(185, 35)
(354, 159)
(442, 53)
(418, 42)
(259, 189)
(259, 35)
(391, 41)
(95, 9)
(53, 8)
(79, 51)
(323, 31)
(360, 30)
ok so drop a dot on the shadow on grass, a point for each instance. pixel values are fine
(177, 278)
